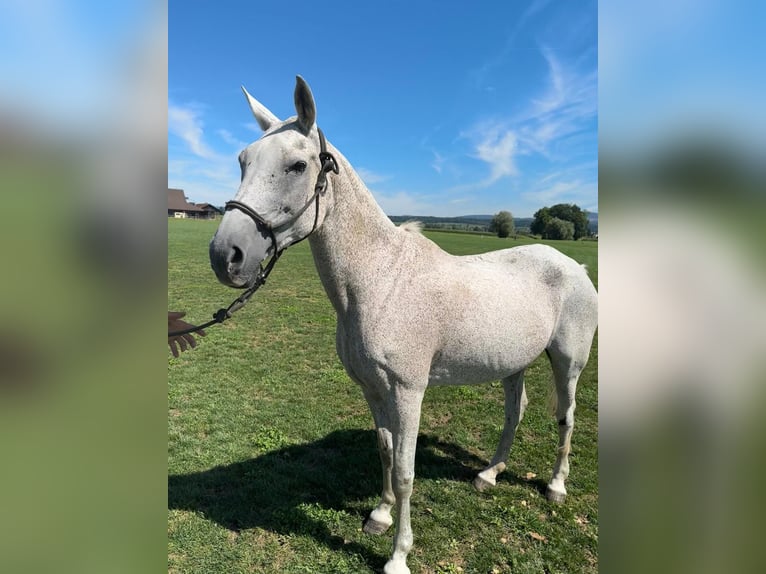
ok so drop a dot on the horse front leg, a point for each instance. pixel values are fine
(406, 420)
(379, 520)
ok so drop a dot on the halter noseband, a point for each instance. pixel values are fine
(328, 164)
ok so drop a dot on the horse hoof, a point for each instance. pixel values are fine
(482, 484)
(396, 568)
(374, 527)
(555, 495)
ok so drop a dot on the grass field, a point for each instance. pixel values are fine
(272, 456)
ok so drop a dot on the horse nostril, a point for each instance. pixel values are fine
(236, 255)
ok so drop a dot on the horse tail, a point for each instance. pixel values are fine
(412, 226)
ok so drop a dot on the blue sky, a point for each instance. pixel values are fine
(683, 68)
(68, 61)
(443, 109)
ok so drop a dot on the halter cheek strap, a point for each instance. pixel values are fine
(328, 164)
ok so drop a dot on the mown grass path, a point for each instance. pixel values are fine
(272, 458)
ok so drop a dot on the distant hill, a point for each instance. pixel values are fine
(476, 222)
(480, 217)
(480, 220)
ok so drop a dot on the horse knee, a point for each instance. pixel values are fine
(567, 421)
(403, 484)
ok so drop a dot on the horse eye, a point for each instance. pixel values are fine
(298, 166)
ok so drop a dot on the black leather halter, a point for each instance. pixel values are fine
(328, 164)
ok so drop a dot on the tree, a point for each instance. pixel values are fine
(565, 212)
(502, 224)
(557, 228)
(541, 218)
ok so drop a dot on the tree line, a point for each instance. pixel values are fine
(560, 221)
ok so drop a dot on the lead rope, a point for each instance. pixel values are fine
(328, 165)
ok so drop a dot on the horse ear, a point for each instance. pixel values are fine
(304, 105)
(264, 117)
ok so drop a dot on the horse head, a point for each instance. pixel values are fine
(277, 204)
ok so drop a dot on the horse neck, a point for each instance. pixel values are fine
(354, 241)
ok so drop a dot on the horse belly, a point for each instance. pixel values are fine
(487, 352)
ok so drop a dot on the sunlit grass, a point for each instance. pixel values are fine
(273, 462)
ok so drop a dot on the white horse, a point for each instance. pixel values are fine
(409, 314)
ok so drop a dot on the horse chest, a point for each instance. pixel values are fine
(389, 351)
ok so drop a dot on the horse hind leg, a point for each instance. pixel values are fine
(515, 404)
(567, 367)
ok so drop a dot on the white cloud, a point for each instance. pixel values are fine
(369, 177)
(566, 108)
(497, 147)
(202, 180)
(582, 193)
(185, 123)
(406, 203)
(208, 175)
(557, 93)
(438, 162)
(229, 138)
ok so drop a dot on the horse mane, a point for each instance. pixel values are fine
(412, 226)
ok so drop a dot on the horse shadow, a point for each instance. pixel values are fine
(283, 490)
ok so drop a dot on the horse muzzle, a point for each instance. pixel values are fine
(237, 250)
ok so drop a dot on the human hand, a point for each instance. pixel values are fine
(180, 343)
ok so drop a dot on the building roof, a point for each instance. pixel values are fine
(177, 201)
(208, 207)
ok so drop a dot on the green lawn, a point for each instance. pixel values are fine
(272, 456)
